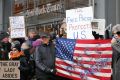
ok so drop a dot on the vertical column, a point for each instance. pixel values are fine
(99, 9)
(117, 12)
(1, 14)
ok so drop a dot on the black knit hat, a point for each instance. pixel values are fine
(17, 46)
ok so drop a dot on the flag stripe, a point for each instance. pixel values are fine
(93, 41)
(93, 55)
(103, 71)
(94, 45)
(71, 73)
(93, 52)
(69, 63)
(92, 62)
(59, 63)
(92, 59)
(93, 49)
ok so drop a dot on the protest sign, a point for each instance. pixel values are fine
(17, 24)
(9, 70)
(98, 25)
(79, 23)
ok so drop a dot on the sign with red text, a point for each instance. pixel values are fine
(79, 23)
(9, 70)
(17, 24)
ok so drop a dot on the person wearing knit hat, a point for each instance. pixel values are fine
(116, 52)
(18, 54)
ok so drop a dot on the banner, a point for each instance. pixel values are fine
(9, 70)
(17, 24)
(84, 59)
(79, 23)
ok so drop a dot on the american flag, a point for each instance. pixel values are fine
(84, 59)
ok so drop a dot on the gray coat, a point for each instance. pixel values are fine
(116, 61)
(44, 59)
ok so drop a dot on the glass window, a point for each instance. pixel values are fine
(71, 4)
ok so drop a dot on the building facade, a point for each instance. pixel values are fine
(44, 14)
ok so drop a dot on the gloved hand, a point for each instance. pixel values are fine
(52, 71)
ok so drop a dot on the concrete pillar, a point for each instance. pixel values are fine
(99, 9)
(1, 15)
(7, 12)
(117, 12)
(110, 11)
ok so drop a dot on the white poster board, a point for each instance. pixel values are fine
(9, 70)
(98, 25)
(17, 24)
(79, 23)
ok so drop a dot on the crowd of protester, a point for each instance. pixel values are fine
(36, 54)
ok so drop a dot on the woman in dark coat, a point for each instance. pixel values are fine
(17, 54)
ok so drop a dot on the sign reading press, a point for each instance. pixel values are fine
(9, 70)
(79, 23)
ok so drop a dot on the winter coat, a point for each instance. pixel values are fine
(24, 66)
(116, 61)
(44, 59)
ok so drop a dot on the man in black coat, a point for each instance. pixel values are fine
(45, 59)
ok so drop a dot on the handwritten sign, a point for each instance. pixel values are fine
(9, 70)
(79, 23)
(17, 25)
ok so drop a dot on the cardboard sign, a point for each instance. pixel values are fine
(17, 24)
(9, 70)
(79, 23)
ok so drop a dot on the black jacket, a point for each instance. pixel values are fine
(44, 58)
